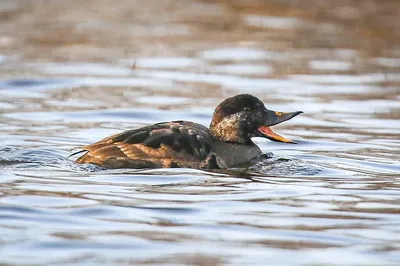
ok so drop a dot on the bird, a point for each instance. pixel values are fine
(183, 144)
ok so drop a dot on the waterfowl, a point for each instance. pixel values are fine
(189, 145)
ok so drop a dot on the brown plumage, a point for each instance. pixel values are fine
(190, 145)
(169, 144)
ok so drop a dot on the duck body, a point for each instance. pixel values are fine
(167, 145)
(186, 144)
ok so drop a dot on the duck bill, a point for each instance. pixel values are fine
(274, 118)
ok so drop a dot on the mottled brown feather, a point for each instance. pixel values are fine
(170, 144)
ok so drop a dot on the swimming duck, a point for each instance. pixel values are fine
(189, 145)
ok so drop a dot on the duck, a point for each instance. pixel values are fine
(183, 144)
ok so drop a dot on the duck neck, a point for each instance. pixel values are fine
(230, 154)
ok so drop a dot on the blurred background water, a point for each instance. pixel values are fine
(73, 72)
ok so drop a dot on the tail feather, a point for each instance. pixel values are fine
(78, 152)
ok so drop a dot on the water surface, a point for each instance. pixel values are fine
(332, 199)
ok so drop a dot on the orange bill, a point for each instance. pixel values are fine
(268, 133)
(273, 118)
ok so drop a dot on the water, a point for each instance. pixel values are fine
(332, 199)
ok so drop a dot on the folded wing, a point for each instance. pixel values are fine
(168, 144)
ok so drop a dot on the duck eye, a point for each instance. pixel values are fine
(247, 109)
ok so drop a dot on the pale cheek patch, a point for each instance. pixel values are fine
(230, 120)
(228, 128)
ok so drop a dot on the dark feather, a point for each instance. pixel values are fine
(137, 137)
(169, 144)
(75, 153)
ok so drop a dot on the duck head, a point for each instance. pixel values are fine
(242, 117)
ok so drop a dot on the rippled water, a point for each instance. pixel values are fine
(332, 199)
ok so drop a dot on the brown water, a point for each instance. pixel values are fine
(73, 72)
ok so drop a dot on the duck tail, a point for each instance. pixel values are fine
(81, 149)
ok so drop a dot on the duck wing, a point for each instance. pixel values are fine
(167, 144)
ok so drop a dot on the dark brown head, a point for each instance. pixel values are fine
(242, 117)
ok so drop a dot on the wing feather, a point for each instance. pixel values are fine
(168, 144)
